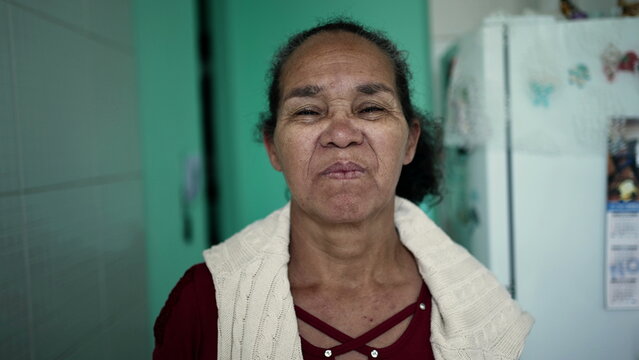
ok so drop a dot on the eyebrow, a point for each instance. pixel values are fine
(304, 91)
(373, 88)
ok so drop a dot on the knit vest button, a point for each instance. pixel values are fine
(422, 306)
(328, 353)
(374, 354)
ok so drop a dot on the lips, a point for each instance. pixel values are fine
(343, 170)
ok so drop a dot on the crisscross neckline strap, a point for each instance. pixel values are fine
(359, 343)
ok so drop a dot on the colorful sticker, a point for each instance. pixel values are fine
(628, 9)
(614, 61)
(579, 75)
(629, 62)
(610, 60)
(571, 11)
(541, 93)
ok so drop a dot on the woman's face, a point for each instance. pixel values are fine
(341, 138)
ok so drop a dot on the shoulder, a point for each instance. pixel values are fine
(472, 311)
(188, 317)
(263, 238)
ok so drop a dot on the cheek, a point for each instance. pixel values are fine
(295, 150)
(391, 148)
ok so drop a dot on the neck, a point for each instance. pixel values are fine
(352, 255)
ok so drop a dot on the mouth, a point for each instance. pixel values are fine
(343, 171)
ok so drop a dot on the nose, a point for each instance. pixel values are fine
(341, 132)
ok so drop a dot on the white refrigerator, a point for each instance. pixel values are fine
(529, 103)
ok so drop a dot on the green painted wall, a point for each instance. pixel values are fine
(168, 71)
(247, 34)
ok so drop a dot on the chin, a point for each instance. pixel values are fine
(344, 214)
(348, 208)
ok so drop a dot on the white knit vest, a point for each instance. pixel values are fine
(473, 316)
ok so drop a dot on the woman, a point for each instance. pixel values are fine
(346, 269)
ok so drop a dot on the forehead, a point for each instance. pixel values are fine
(332, 53)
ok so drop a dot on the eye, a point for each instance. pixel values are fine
(306, 112)
(371, 109)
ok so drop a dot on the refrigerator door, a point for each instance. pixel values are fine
(474, 211)
(562, 100)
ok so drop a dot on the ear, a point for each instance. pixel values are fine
(414, 131)
(271, 150)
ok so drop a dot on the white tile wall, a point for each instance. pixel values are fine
(94, 348)
(53, 101)
(72, 251)
(123, 336)
(66, 11)
(62, 232)
(9, 172)
(14, 297)
(121, 246)
(112, 20)
(14, 311)
(113, 109)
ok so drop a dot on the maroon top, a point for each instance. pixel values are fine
(412, 344)
(187, 326)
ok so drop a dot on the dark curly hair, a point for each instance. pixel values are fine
(419, 178)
